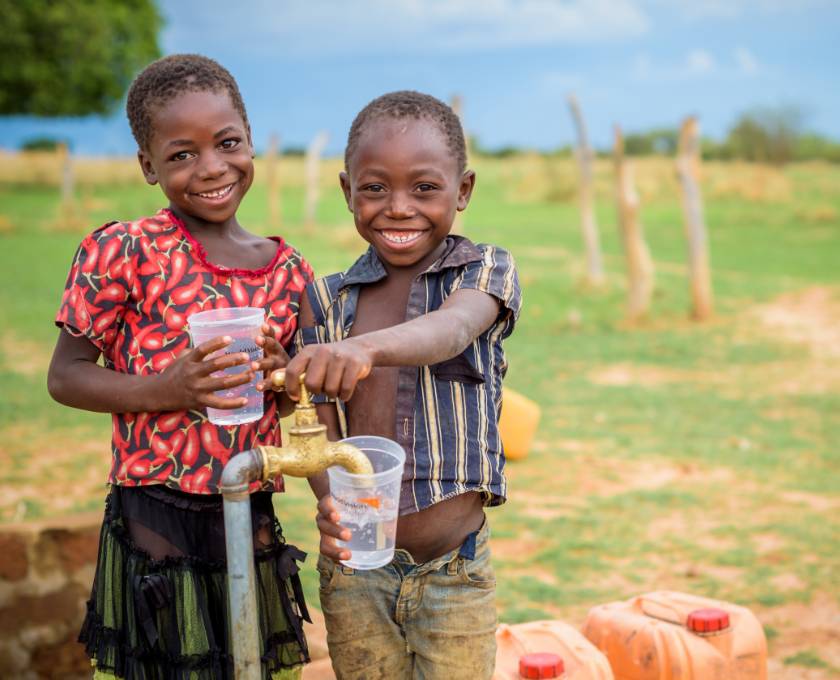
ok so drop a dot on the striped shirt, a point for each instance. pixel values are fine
(447, 414)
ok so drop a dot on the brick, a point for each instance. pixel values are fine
(14, 562)
(60, 607)
(76, 547)
(63, 660)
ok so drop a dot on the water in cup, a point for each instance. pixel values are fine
(368, 505)
(243, 325)
(374, 529)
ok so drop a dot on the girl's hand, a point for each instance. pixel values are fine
(188, 383)
(327, 521)
(274, 356)
(333, 368)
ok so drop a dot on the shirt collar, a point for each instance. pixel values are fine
(369, 268)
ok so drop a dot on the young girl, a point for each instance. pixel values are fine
(158, 607)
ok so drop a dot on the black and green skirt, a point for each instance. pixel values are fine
(159, 605)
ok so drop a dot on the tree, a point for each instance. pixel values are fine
(73, 57)
(766, 135)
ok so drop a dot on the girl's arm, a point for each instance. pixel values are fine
(335, 368)
(75, 379)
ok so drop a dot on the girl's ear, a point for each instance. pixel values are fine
(465, 189)
(147, 167)
(344, 180)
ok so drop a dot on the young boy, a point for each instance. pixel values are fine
(409, 342)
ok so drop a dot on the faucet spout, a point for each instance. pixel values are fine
(306, 457)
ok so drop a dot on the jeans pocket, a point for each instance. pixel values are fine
(478, 572)
(328, 573)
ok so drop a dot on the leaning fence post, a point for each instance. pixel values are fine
(272, 175)
(636, 252)
(457, 105)
(589, 227)
(312, 171)
(688, 171)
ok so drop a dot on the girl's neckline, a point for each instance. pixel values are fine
(201, 253)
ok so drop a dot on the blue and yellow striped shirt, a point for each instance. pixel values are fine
(447, 414)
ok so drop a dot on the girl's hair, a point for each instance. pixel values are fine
(164, 79)
(410, 104)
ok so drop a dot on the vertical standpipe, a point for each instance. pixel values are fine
(237, 475)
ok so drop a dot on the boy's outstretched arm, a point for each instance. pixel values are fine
(335, 368)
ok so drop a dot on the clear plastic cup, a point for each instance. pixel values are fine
(243, 325)
(369, 504)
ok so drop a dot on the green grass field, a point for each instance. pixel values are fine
(670, 454)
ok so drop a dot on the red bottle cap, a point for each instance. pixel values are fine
(541, 665)
(708, 620)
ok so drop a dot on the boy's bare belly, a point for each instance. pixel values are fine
(439, 528)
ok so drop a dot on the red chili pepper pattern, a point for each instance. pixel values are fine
(130, 290)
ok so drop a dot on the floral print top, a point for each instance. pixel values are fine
(131, 287)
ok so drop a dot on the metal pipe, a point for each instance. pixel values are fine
(237, 476)
(308, 453)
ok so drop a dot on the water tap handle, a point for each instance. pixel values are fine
(278, 380)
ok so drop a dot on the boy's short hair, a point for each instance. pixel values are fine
(410, 104)
(166, 78)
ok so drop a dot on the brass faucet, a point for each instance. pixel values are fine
(308, 451)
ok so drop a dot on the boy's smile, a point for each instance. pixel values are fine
(200, 153)
(404, 187)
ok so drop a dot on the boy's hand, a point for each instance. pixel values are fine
(332, 368)
(274, 356)
(327, 521)
(188, 382)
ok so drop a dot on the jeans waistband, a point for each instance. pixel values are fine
(466, 551)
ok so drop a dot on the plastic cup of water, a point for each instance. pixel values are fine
(369, 504)
(243, 324)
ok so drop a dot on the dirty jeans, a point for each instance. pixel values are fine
(429, 621)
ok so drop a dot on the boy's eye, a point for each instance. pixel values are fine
(229, 143)
(425, 186)
(375, 188)
(180, 156)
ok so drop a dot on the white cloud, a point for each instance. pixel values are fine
(388, 26)
(731, 9)
(746, 61)
(699, 62)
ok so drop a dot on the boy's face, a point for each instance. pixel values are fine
(201, 155)
(404, 188)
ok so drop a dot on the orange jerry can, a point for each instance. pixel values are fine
(547, 649)
(517, 423)
(675, 636)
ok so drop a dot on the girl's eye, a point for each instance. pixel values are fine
(375, 188)
(425, 186)
(180, 156)
(229, 144)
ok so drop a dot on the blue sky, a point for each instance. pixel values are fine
(310, 66)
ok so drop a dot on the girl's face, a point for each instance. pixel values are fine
(404, 188)
(200, 153)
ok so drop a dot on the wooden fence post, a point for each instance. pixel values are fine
(457, 105)
(312, 170)
(636, 252)
(688, 171)
(67, 205)
(272, 175)
(589, 227)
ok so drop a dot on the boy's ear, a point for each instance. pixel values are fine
(344, 180)
(465, 189)
(147, 167)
